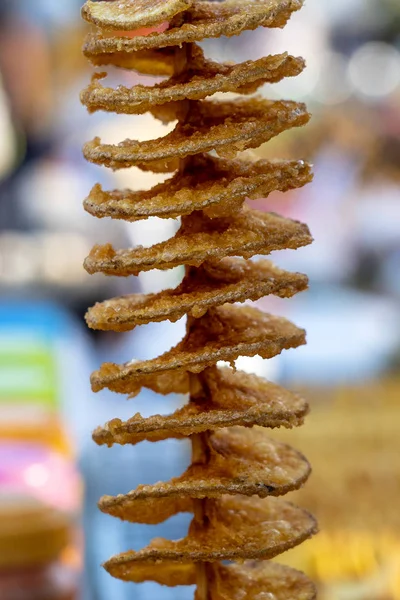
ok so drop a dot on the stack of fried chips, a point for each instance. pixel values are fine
(237, 471)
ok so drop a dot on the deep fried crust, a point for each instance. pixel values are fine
(242, 461)
(199, 239)
(254, 581)
(226, 127)
(235, 468)
(236, 528)
(213, 284)
(158, 62)
(205, 78)
(230, 582)
(230, 398)
(127, 15)
(225, 333)
(217, 186)
(203, 20)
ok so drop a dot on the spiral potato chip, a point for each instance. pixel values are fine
(227, 128)
(242, 461)
(231, 280)
(128, 15)
(205, 78)
(157, 62)
(204, 20)
(229, 582)
(235, 469)
(244, 234)
(218, 187)
(226, 333)
(231, 398)
(237, 528)
(254, 579)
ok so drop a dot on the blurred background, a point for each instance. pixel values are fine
(51, 473)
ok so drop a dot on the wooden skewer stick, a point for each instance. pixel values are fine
(200, 454)
(200, 448)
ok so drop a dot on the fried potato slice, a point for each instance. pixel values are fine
(213, 284)
(199, 239)
(166, 573)
(203, 79)
(230, 582)
(226, 127)
(242, 461)
(236, 528)
(157, 62)
(202, 20)
(128, 15)
(231, 398)
(225, 333)
(217, 186)
(254, 581)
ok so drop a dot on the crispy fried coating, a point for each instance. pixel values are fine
(213, 284)
(242, 461)
(225, 333)
(226, 127)
(126, 15)
(236, 528)
(230, 582)
(217, 186)
(236, 469)
(254, 581)
(230, 398)
(199, 239)
(202, 20)
(205, 78)
(167, 573)
(158, 62)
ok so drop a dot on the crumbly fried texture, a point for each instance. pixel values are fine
(199, 239)
(230, 398)
(213, 284)
(231, 582)
(203, 79)
(242, 461)
(167, 573)
(217, 186)
(254, 581)
(236, 528)
(235, 468)
(202, 20)
(127, 15)
(158, 62)
(225, 333)
(226, 127)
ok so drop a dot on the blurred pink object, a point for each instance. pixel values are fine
(36, 471)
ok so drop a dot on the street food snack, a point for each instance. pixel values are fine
(232, 398)
(205, 78)
(216, 186)
(211, 285)
(236, 468)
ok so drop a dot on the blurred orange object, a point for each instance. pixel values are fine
(33, 538)
(46, 429)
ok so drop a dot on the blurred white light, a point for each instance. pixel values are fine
(374, 70)
(19, 259)
(62, 257)
(7, 137)
(36, 476)
(259, 366)
(332, 86)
